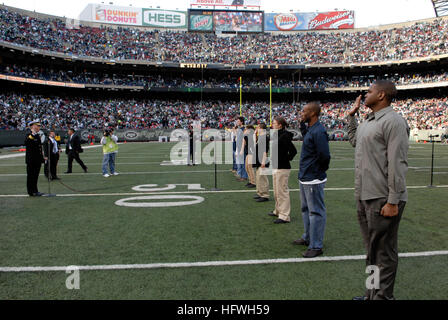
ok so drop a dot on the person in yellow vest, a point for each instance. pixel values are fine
(110, 149)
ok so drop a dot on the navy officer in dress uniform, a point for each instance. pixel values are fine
(34, 158)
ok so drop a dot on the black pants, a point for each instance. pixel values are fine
(191, 154)
(380, 235)
(51, 165)
(32, 175)
(74, 155)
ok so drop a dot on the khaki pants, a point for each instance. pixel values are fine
(262, 183)
(250, 169)
(280, 178)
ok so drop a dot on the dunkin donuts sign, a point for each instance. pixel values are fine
(117, 15)
(309, 21)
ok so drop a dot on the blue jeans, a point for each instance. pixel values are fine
(241, 167)
(109, 160)
(234, 165)
(313, 214)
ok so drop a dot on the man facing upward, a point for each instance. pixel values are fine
(381, 160)
(314, 162)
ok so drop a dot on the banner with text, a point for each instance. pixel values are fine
(159, 18)
(201, 22)
(226, 3)
(309, 21)
(117, 15)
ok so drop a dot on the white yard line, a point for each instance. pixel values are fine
(184, 192)
(211, 263)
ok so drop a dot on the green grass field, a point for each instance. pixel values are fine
(82, 226)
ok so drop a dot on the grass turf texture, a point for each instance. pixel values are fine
(92, 230)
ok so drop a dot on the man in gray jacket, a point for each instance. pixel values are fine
(381, 162)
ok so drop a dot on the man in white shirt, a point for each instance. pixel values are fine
(51, 151)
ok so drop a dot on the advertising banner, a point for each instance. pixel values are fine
(221, 3)
(117, 15)
(201, 22)
(309, 21)
(159, 18)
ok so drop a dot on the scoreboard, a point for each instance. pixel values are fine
(225, 21)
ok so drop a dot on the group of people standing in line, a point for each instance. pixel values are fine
(252, 164)
(381, 143)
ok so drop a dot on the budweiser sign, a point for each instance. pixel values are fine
(332, 20)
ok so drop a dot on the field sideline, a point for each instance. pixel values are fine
(218, 245)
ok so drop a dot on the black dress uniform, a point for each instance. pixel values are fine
(34, 159)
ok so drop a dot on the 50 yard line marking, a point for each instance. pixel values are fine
(212, 263)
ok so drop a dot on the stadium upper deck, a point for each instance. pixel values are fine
(424, 40)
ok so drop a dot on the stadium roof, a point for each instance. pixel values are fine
(440, 7)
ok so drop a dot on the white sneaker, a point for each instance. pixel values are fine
(106, 175)
(115, 173)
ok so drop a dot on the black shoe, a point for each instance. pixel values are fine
(278, 221)
(262, 199)
(360, 298)
(311, 253)
(250, 185)
(36, 194)
(67, 172)
(272, 214)
(301, 242)
(56, 178)
(85, 170)
(256, 197)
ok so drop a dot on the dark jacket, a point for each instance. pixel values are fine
(48, 147)
(261, 146)
(249, 142)
(283, 150)
(315, 155)
(33, 146)
(75, 144)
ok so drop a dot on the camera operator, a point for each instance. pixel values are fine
(110, 149)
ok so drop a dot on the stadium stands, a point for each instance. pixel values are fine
(83, 113)
(420, 39)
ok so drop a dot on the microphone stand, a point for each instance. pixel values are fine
(431, 137)
(216, 174)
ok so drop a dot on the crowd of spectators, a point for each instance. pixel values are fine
(418, 40)
(167, 81)
(82, 113)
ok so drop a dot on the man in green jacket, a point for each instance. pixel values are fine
(110, 149)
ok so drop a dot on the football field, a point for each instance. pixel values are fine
(159, 231)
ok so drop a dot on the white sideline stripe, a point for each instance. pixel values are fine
(211, 263)
(184, 192)
(181, 171)
(22, 154)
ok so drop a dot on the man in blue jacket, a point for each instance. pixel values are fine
(314, 162)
